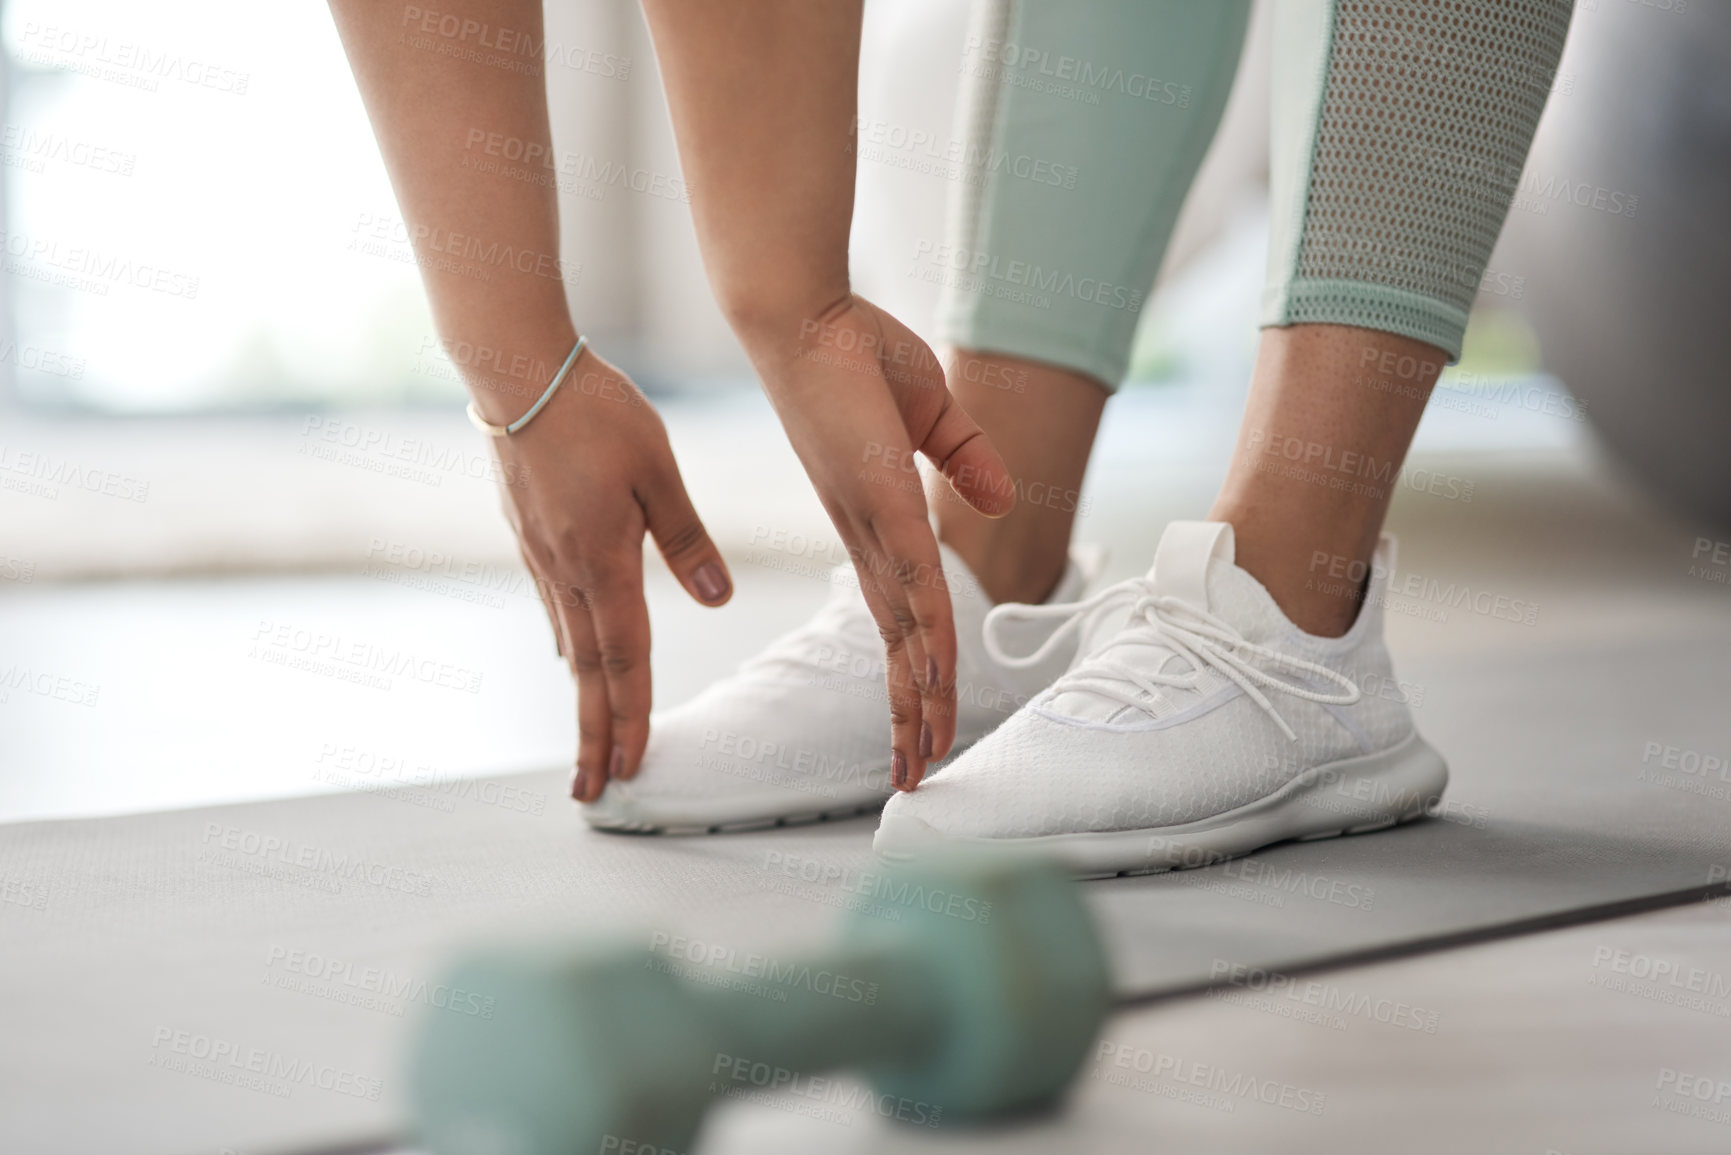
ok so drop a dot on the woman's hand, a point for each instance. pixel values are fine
(584, 480)
(764, 104)
(593, 470)
(859, 394)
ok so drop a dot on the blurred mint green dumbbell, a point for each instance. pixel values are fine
(986, 991)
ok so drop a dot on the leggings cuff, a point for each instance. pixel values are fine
(1016, 338)
(1367, 306)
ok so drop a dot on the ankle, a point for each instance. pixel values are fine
(1323, 610)
(1010, 567)
(1318, 577)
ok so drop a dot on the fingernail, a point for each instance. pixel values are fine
(898, 768)
(711, 583)
(925, 740)
(577, 785)
(931, 672)
(616, 764)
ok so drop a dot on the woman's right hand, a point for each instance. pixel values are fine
(764, 101)
(583, 482)
(860, 395)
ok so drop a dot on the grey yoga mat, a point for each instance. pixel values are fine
(243, 978)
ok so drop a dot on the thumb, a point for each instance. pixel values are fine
(684, 543)
(969, 461)
(958, 447)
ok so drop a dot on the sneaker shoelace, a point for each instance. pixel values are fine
(1201, 639)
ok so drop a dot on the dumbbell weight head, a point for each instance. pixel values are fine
(588, 1048)
(1021, 974)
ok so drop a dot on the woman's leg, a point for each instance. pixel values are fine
(1042, 418)
(1087, 122)
(1400, 131)
(1319, 452)
(1205, 726)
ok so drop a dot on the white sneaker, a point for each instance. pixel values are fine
(801, 733)
(1202, 727)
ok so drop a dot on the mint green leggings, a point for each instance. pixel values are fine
(1398, 135)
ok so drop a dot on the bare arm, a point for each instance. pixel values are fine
(593, 471)
(763, 100)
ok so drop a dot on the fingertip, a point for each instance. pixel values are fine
(971, 464)
(627, 762)
(990, 497)
(941, 748)
(981, 479)
(710, 583)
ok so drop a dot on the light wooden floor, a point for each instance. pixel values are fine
(1536, 1046)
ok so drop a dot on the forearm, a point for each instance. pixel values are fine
(763, 97)
(487, 243)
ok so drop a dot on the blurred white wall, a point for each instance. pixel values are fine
(644, 295)
(267, 196)
(288, 318)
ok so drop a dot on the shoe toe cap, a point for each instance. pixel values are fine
(901, 836)
(730, 759)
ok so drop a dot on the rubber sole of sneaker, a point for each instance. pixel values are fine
(744, 813)
(626, 824)
(1352, 796)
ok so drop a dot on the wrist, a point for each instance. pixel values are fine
(776, 326)
(505, 374)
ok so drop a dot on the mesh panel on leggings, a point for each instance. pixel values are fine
(1423, 130)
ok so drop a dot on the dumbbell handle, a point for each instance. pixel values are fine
(888, 1009)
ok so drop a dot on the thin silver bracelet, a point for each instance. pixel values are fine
(486, 427)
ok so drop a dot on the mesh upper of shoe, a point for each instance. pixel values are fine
(810, 714)
(1076, 760)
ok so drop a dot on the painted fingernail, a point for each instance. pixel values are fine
(931, 672)
(616, 763)
(898, 768)
(925, 739)
(711, 583)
